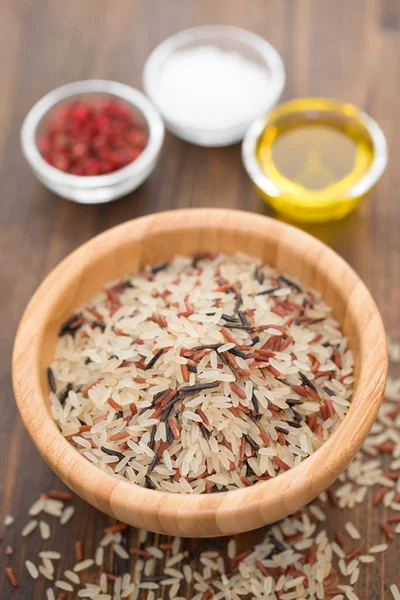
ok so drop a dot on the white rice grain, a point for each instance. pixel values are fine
(8, 520)
(29, 527)
(45, 530)
(67, 514)
(352, 531)
(32, 569)
(64, 585)
(83, 565)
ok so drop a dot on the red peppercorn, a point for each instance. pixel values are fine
(80, 112)
(137, 138)
(60, 162)
(44, 145)
(92, 138)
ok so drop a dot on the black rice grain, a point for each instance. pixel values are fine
(281, 429)
(152, 441)
(237, 303)
(280, 546)
(229, 318)
(149, 483)
(170, 436)
(65, 393)
(243, 318)
(328, 391)
(204, 431)
(187, 390)
(258, 275)
(66, 326)
(255, 403)
(290, 283)
(294, 402)
(237, 352)
(306, 381)
(268, 291)
(153, 463)
(52, 381)
(119, 455)
(251, 442)
(155, 358)
(157, 268)
(208, 347)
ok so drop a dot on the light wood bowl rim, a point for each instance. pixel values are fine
(198, 515)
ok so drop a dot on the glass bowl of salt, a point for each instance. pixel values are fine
(209, 83)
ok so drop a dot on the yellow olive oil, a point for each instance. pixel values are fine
(315, 151)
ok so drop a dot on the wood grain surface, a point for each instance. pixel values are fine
(348, 50)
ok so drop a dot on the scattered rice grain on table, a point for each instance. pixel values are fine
(202, 375)
(395, 592)
(67, 515)
(8, 520)
(44, 529)
(32, 569)
(29, 527)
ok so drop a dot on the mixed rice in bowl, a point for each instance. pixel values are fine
(206, 374)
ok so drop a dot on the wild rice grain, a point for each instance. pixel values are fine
(79, 549)
(386, 530)
(60, 495)
(209, 327)
(51, 379)
(12, 577)
(294, 559)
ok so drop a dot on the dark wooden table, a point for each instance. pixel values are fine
(348, 50)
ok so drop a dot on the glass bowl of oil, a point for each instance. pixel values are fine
(314, 159)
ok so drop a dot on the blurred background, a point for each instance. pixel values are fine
(346, 50)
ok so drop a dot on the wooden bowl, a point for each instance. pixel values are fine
(156, 238)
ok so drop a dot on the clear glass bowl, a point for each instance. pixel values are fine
(315, 206)
(99, 188)
(232, 39)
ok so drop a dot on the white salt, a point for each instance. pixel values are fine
(207, 87)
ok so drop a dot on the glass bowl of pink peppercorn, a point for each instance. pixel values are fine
(92, 141)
